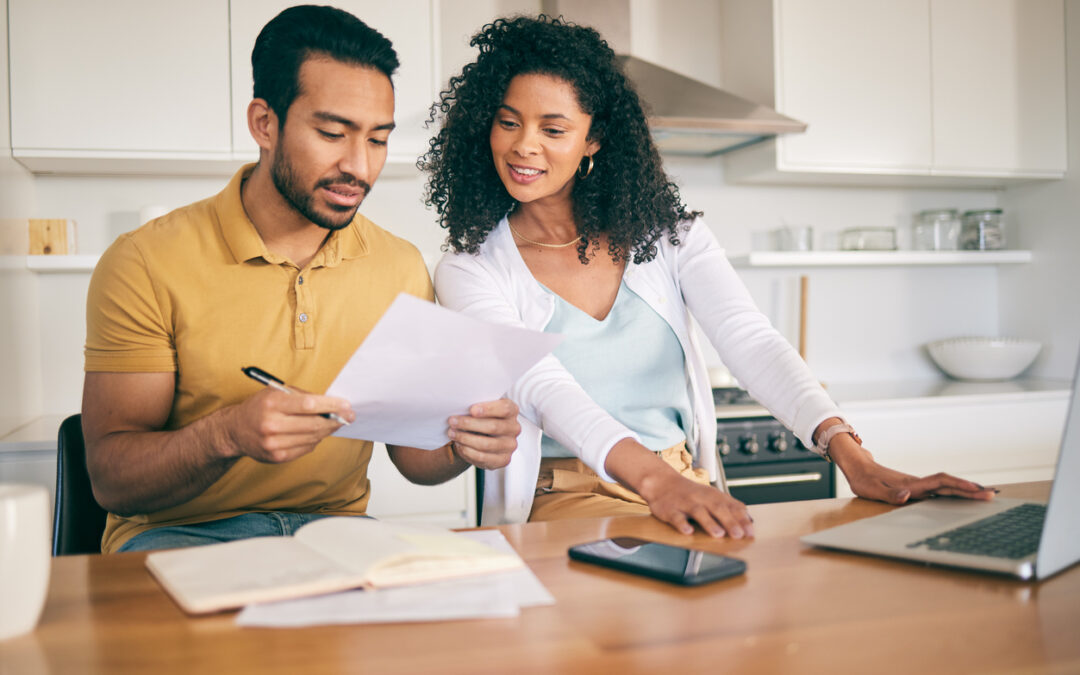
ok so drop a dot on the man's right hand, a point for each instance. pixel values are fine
(136, 467)
(273, 426)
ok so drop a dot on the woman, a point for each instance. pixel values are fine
(561, 218)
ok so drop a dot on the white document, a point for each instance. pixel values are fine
(423, 363)
(496, 595)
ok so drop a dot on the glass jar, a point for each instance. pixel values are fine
(868, 239)
(982, 230)
(936, 230)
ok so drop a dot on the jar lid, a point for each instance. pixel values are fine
(980, 212)
(939, 212)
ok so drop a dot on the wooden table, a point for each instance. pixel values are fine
(796, 610)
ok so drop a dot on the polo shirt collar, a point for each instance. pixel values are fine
(245, 243)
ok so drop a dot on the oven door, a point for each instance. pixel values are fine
(766, 482)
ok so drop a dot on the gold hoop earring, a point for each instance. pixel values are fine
(588, 170)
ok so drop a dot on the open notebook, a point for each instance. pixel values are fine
(1026, 539)
(327, 555)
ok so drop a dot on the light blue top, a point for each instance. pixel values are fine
(631, 364)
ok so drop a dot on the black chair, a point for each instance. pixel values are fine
(78, 520)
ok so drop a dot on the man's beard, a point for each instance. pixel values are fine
(288, 184)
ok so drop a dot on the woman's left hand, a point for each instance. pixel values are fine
(870, 480)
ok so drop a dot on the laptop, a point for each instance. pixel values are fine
(1020, 538)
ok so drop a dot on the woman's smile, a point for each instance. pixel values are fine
(524, 174)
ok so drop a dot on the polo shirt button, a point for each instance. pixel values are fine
(300, 280)
(303, 318)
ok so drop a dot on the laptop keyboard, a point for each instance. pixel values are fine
(1010, 534)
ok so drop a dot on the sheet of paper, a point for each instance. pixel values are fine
(423, 363)
(498, 595)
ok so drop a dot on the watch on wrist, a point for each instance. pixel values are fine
(831, 432)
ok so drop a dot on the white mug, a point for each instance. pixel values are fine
(25, 556)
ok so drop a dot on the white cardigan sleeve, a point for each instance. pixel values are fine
(547, 393)
(759, 357)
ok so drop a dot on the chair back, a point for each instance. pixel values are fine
(78, 520)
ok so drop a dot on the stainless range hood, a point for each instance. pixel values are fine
(689, 117)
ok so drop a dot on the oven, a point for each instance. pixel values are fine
(763, 461)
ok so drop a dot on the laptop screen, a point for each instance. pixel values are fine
(1060, 543)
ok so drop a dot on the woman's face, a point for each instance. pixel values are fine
(539, 137)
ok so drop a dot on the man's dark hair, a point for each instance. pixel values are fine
(627, 196)
(306, 31)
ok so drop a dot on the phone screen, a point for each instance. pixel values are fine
(660, 561)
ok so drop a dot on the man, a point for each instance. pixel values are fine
(277, 271)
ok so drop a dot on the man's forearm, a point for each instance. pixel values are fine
(146, 471)
(427, 467)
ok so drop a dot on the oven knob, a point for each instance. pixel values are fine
(722, 446)
(749, 444)
(778, 442)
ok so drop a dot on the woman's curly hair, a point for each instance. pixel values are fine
(627, 196)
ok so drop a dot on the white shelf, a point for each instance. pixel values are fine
(878, 258)
(52, 264)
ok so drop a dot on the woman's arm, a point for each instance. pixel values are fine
(551, 398)
(871, 480)
(776, 376)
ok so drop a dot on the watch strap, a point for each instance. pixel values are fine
(830, 433)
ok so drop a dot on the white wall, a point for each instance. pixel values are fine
(1042, 300)
(863, 323)
(20, 386)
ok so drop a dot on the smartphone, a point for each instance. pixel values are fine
(659, 561)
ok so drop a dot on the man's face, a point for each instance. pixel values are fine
(333, 144)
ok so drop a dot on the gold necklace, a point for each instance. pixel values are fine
(540, 243)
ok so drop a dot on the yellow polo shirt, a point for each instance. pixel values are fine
(196, 292)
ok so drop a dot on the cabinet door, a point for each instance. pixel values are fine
(858, 73)
(999, 86)
(407, 23)
(126, 76)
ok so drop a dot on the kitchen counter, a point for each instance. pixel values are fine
(938, 391)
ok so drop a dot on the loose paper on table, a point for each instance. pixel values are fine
(423, 363)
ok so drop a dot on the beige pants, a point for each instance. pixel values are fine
(566, 488)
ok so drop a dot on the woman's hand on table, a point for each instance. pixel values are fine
(871, 480)
(677, 501)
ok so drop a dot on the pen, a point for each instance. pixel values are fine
(260, 375)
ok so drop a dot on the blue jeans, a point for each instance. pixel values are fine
(245, 526)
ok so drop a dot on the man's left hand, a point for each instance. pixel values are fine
(487, 436)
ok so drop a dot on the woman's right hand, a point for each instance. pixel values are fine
(675, 499)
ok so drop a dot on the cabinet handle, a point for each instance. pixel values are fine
(774, 480)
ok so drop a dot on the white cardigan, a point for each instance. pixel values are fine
(692, 278)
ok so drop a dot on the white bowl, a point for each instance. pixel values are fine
(983, 358)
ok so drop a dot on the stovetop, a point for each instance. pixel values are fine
(735, 402)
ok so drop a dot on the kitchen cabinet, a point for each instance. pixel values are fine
(96, 86)
(990, 439)
(163, 88)
(916, 92)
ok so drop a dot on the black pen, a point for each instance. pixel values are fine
(260, 375)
